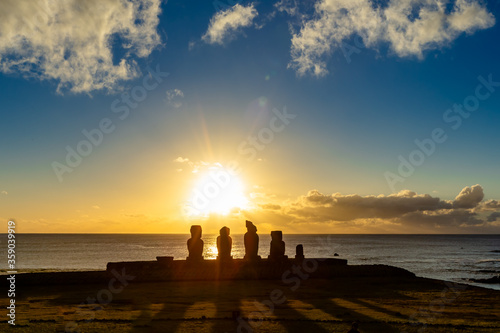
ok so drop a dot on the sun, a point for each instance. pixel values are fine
(217, 191)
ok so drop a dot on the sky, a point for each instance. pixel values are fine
(325, 116)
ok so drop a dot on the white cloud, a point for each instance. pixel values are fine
(173, 96)
(410, 27)
(82, 45)
(181, 159)
(96, 207)
(4, 192)
(197, 166)
(224, 25)
(288, 6)
(470, 16)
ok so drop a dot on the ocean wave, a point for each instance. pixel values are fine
(488, 260)
(488, 271)
(455, 270)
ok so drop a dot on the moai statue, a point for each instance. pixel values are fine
(299, 252)
(277, 246)
(251, 242)
(224, 244)
(195, 244)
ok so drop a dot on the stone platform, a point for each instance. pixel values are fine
(167, 269)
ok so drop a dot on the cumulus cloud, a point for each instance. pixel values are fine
(338, 207)
(491, 205)
(469, 197)
(410, 27)
(400, 211)
(440, 218)
(224, 25)
(82, 45)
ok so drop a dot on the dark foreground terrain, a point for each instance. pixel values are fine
(296, 304)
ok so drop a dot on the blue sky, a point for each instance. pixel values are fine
(354, 113)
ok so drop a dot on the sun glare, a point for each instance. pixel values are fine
(217, 191)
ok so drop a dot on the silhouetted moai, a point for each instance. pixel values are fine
(251, 242)
(299, 252)
(277, 246)
(195, 244)
(224, 244)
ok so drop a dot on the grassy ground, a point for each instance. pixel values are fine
(378, 304)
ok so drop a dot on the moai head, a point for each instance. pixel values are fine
(195, 231)
(299, 250)
(250, 227)
(224, 231)
(277, 236)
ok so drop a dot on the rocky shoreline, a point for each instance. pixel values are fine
(492, 280)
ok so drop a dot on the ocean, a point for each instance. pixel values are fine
(456, 258)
